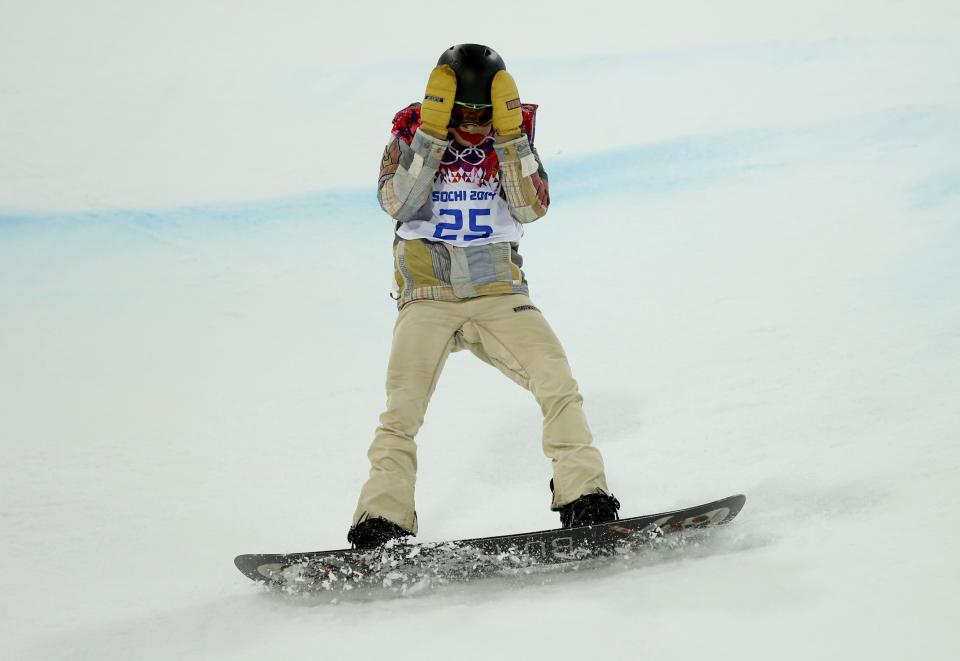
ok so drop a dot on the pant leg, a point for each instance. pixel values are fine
(509, 333)
(422, 340)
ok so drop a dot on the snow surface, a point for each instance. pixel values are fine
(751, 258)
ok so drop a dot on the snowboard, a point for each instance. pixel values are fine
(401, 565)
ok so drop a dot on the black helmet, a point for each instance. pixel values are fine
(475, 66)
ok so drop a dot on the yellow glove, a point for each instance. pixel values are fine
(507, 115)
(438, 101)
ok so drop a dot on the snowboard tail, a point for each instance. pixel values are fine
(345, 569)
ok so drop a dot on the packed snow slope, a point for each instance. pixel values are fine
(751, 258)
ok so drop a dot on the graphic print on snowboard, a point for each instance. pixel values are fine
(346, 569)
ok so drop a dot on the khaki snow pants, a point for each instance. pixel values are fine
(510, 334)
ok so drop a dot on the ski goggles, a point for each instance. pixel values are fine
(471, 113)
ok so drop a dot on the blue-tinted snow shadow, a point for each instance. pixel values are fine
(230, 215)
(686, 164)
(937, 188)
(644, 171)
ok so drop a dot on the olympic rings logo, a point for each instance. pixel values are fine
(469, 155)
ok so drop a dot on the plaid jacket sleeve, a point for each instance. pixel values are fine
(523, 180)
(407, 173)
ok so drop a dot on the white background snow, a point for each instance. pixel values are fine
(751, 258)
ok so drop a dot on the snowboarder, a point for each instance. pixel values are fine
(461, 178)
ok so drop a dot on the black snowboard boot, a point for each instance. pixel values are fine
(589, 509)
(371, 533)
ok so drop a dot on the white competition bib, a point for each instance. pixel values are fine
(467, 211)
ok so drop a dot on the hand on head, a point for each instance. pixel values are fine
(438, 101)
(470, 87)
(507, 115)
